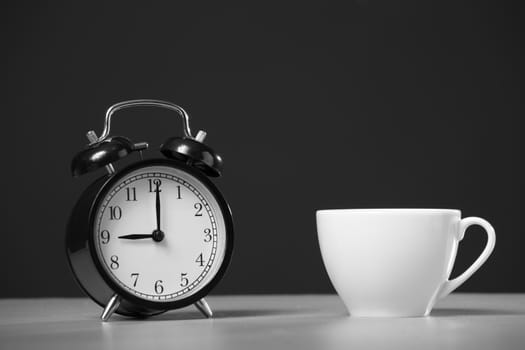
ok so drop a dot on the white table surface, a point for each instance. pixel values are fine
(461, 321)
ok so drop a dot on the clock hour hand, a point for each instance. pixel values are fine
(139, 236)
(157, 236)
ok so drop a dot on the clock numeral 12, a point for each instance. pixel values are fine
(131, 194)
(154, 184)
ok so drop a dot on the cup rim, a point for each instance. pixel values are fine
(389, 211)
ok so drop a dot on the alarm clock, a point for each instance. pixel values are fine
(155, 235)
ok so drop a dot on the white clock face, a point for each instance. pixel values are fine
(160, 234)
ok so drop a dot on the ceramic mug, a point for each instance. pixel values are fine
(395, 262)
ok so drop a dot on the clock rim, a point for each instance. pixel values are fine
(228, 223)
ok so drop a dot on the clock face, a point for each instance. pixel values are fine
(160, 233)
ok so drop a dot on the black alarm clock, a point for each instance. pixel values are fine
(156, 235)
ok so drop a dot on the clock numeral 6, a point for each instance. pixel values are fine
(159, 288)
(104, 237)
(198, 206)
(154, 184)
(184, 280)
(115, 213)
(114, 262)
(136, 277)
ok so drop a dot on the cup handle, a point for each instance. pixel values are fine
(449, 285)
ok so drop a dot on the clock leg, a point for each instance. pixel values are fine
(110, 308)
(204, 308)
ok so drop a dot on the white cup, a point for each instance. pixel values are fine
(395, 262)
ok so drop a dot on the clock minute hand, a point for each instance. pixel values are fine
(157, 205)
(136, 236)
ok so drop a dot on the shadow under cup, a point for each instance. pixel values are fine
(394, 262)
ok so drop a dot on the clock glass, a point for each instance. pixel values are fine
(159, 233)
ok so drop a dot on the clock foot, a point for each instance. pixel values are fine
(110, 308)
(204, 308)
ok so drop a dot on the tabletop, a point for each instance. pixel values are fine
(462, 321)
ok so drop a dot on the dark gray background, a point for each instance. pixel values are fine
(311, 106)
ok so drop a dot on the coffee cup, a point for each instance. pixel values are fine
(395, 262)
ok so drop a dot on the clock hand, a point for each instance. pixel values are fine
(140, 236)
(157, 204)
(157, 236)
